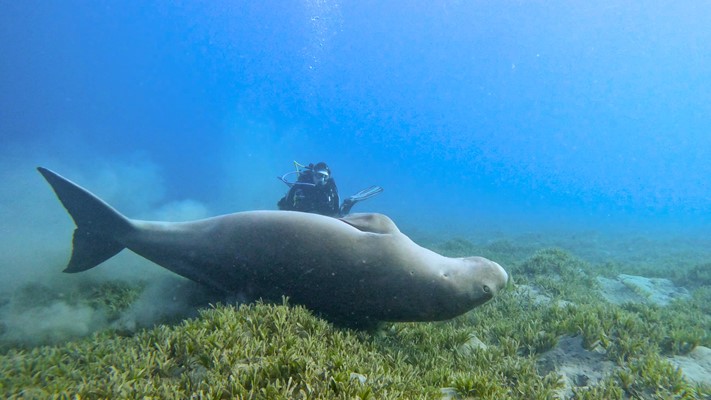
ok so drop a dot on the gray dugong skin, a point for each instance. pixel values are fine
(358, 269)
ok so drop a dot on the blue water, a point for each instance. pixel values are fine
(472, 115)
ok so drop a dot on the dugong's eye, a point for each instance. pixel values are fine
(486, 289)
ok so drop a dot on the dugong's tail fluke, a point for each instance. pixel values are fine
(98, 224)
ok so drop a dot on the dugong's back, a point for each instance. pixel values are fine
(319, 261)
(242, 242)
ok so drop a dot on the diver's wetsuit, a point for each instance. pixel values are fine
(319, 199)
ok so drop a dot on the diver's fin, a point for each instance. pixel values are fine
(367, 193)
(360, 196)
(371, 222)
(98, 224)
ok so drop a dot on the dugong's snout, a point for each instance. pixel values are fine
(501, 277)
(487, 277)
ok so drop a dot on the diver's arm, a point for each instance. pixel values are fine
(287, 202)
(335, 200)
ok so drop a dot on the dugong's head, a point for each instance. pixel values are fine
(479, 279)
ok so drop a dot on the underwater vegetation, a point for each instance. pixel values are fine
(267, 351)
(697, 276)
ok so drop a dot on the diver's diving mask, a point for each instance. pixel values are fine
(320, 177)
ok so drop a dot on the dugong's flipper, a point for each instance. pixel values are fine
(98, 224)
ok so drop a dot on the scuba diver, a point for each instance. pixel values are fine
(315, 191)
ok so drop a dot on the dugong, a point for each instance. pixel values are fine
(356, 270)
